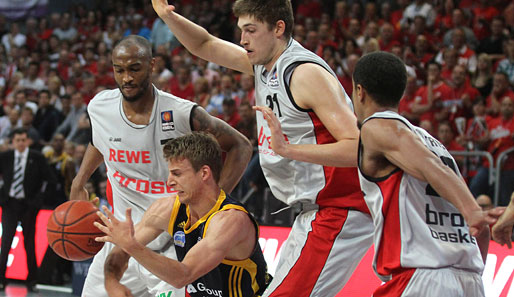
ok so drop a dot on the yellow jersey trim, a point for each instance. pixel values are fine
(215, 208)
(174, 213)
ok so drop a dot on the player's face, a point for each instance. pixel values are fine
(184, 179)
(132, 72)
(258, 40)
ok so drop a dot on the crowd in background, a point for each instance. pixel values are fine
(459, 57)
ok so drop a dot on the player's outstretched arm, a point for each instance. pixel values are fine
(412, 156)
(315, 88)
(238, 147)
(200, 43)
(92, 159)
(502, 230)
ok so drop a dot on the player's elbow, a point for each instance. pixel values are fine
(183, 278)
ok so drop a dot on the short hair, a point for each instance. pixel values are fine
(267, 11)
(18, 131)
(383, 76)
(199, 148)
(44, 91)
(135, 40)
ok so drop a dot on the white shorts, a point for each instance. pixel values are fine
(139, 280)
(442, 282)
(321, 253)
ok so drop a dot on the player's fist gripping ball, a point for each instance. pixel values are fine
(70, 230)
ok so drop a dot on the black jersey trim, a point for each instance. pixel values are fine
(191, 125)
(370, 178)
(288, 73)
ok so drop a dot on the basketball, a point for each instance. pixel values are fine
(71, 233)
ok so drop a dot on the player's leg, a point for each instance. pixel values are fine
(321, 252)
(450, 282)
(94, 284)
(158, 287)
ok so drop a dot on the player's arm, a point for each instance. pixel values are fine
(502, 230)
(200, 43)
(238, 147)
(315, 88)
(226, 229)
(412, 156)
(92, 159)
(153, 223)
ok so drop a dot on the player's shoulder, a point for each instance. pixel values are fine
(383, 131)
(167, 98)
(104, 98)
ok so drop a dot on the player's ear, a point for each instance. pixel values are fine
(360, 91)
(206, 172)
(280, 28)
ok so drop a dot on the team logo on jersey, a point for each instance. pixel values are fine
(273, 82)
(179, 238)
(167, 120)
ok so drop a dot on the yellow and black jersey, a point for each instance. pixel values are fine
(242, 278)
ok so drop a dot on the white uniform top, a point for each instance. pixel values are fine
(136, 169)
(290, 180)
(414, 227)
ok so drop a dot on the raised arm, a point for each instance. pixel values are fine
(238, 147)
(315, 88)
(412, 156)
(92, 159)
(200, 43)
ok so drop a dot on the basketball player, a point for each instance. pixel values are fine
(215, 238)
(502, 230)
(425, 217)
(130, 126)
(334, 230)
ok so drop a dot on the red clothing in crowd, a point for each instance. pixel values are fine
(441, 91)
(501, 133)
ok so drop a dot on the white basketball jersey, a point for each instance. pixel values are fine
(414, 227)
(290, 180)
(136, 169)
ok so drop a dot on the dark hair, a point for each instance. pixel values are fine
(44, 91)
(383, 76)
(138, 41)
(18, 131)
(267, 11)
(199, 148)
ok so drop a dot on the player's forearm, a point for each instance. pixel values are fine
(92, 159)
(236, 161)
(192, 36)
(339, 154)
(115, 264)
(483, 240)
(171, 271)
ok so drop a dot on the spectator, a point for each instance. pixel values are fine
(429, 98)
(8, 124)
(446, 136)
(500, 137)
(182, 86)
(64, 169)
(409, 96)
(162, 35)
(70, 123)
(247, 124)
(14, 38)
(161, 70)
(32, 83)
(485, 202)
(493, 43)
(27, 123)
(20, 99)
(483, 15)
(482, 80)
(66, 31)
(459, 21)
(421, 8)
(464, 94)
(467, 56)
(47, 117)
(247, 90)
(136, 27)
(202, 93)
(499, 91)
(507, 65)
(226, 91)
(230, 113)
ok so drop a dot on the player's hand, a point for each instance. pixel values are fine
(121, 233)
(502, 230)
(78, 193)
(116, 289)
(162, 8)
(278, 143)
(480, 219)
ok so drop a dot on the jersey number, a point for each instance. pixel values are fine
(448, 162)
(269, 102)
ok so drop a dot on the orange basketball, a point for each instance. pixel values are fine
(70, 230)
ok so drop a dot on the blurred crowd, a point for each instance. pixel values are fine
(459, 57)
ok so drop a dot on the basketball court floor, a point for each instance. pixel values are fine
(15, 289)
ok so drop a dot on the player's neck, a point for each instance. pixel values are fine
(140, 111)
(377, 108)
(205, 203)
(279, 50)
